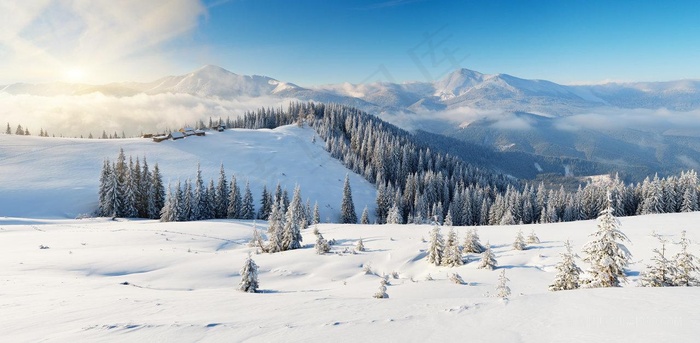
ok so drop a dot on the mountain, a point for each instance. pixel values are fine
(631, 127)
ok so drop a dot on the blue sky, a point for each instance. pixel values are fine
(316, 42)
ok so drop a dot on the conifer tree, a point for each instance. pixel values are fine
(275, 229)
(317, 214)
(364, 219)
(221, 196)
(472, 243)
(156, 199)
(502, 290)
(347, 207)
(360, 246)
(294, 223)
(448, 218)
(247, 207)
(249, 276)
(488, 259)
(394, 216)
(8, 131)
(661, 272)
(266, 203)
(381, 294)
(235, 203)
(322, 245)
(437, 246)
(532, 238)
(256, 241)
(567, 271)
(685, 264)
(519, 243)
(104, 205)
(19, 131)
(169, 211)
(130, 196)
(453, 255)
(606, 254)
(198, 197)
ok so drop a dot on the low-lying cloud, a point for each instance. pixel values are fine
(92, 113)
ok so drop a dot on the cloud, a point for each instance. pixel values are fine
(93, 113)
(653, 120)
(42, 39)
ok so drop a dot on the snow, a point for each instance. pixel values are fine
(58, 177)
(142, 280)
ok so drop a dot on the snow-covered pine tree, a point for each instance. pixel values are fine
(322, 245)
(144, 189)
(502, 290)
(437, 246)
(394, 216)
(532, 238)
(381, 294)
(156, 197)
(256, 241)
(567, 271)
(188, 201)
(448, 218)
(294, 223)
(365, 216)
(235, 203)
(519, 243)
(8, 131)
(275, 229)
(453, 255)
(113, 195)
(360, 246)
(248, 206)
(347, 207)
(472, 243)
(606, 254)
(198, 197)
(488, 259)
(686, 266)
(130, 189)
(249, 276)
(661, 273)
(221, 195)
(169, 211)
(316, 215)
(104, 205)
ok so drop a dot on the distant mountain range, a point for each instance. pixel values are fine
(606, 126)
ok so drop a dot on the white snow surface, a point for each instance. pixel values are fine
(58, 177)
(146, 281)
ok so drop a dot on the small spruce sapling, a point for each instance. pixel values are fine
(360, 245)
(686, 265)
(661, 272)
(502, 290)
(471, 243)
(249, 276)
(567, 271)
(437, 246)
(532, 238)
(519, 243)
(488, 259)
(381, 294)
(322, 245)
(456, 278)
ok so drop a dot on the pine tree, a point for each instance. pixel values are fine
(322, 245)
(448, 218)
(19, 131)
(347, 207)
(453, 255)
(8, 131)
(394, 216)
(472, 243)
(568, 272)
(364, 219)
(247, 207)
(294, 223)
(221, 195)
(661, 272)
(198, 197)
(488, 259)
(104, 206)
(235, 203)
(275, 229)
(360, 246)
(502, 290)
(130, 196)
(317, 215)
(266, 203)
(606, 254)
(381, 294)
(156, 199)
(249, 276)
(437, 246)
(519, 243)
(686, 266)
(169, 211)
(532, 238)
(256, 241)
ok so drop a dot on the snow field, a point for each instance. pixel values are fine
(182, 277)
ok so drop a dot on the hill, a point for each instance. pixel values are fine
(59, 177)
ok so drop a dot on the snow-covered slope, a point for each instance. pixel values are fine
(58, 177)
(145, 281)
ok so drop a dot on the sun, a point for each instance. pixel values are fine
(75, 74)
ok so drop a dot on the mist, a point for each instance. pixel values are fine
(73, 116)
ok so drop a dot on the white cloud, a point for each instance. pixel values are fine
(40, 40)
(92, 113)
